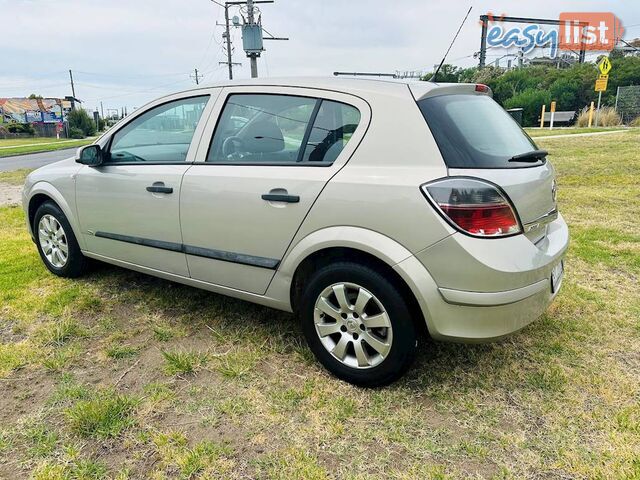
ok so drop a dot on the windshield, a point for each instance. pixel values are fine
(473, 131)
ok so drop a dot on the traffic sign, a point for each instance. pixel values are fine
(601, 83)
(553, 107)
(604, 65)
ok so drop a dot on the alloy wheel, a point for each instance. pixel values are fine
(353, 325)
(53, 241)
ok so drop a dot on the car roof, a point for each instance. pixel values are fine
(357, 86)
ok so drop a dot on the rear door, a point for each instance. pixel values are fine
(478, 138)
(262, 162)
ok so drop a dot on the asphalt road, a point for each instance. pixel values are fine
(34, 160)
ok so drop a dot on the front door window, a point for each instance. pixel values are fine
(163, 134)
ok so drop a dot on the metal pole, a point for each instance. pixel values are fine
(228, 34)
(484, 20)
(73, 90)
(252, 56)
(598, 109)
(617, 93)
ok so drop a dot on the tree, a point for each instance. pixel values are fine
(532, 86)
(33, 96)
(81, 120)
(447, 74)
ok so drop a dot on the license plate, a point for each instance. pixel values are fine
(556, 276)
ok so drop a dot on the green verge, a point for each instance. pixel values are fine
(120, 375)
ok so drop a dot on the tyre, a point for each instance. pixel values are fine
(56, 243)
(357, 324)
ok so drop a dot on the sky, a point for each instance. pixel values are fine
(128, 52)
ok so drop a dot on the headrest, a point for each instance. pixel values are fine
(263, 136)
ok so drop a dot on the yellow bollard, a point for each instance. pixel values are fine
(544, 108)
(590, 114)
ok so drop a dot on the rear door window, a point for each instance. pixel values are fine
(281, 129)
(333, 127)
(473, 131)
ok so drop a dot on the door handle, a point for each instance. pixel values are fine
(277, 197)
(158, 187)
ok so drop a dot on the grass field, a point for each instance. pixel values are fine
(17, 146)
(120, 375)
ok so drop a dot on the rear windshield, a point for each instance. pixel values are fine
(473, 131)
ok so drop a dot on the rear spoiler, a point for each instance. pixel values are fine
(422, 90)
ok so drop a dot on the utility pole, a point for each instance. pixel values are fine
(227, 35)
(252, 33)
(73, 90)
(253, 57)
(196, 76)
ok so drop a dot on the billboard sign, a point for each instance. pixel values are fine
(572, 31)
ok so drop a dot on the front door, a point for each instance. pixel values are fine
(129, 207)
(269, 158)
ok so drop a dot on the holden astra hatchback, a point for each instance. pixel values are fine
(371, 209)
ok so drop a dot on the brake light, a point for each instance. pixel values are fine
(473, 206)
(482, 88)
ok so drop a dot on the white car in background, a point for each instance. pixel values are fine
(369, 208)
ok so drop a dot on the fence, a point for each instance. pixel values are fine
(41, 130)
(628, 102)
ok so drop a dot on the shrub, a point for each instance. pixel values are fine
(76, 133)
(608, 118)
(531, 101)
(80, 119)
(635, 122)
(583, 118)
(21, 128)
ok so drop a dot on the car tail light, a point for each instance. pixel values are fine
(483, 88)
(473, 206)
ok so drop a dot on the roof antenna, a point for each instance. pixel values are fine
(450, 45)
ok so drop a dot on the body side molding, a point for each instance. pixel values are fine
(233, 257)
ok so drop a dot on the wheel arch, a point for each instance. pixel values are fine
(344, 244)
(42, 192)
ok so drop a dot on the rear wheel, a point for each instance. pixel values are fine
(56, 242)
(357, 324)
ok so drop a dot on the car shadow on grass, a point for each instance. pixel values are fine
(438, 365)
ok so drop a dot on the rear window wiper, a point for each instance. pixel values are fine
(532, 156)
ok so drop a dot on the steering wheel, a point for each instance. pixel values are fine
(124, 153)
(232, 145)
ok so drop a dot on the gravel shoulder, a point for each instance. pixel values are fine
(10, 194)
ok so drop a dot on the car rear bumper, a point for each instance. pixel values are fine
(487, 288)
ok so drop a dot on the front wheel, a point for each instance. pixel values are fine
(358, 324)
(56, 242)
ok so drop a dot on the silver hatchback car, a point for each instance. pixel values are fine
(368, 208)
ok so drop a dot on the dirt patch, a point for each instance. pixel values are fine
(23, 394)
(10, 194)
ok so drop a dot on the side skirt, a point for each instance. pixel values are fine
(230, 292)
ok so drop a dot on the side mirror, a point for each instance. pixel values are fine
(89, 155)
